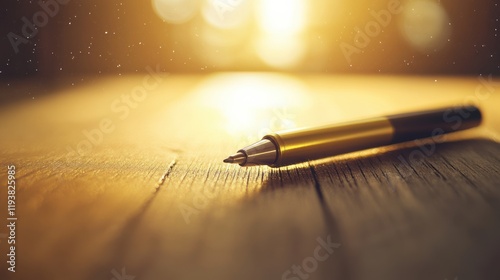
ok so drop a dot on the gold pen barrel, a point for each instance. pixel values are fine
(294, 146)
(308, 144)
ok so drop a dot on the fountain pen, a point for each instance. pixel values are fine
(301, 145)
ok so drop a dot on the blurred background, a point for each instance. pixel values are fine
(49, 38)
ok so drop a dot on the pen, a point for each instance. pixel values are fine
(300, 145)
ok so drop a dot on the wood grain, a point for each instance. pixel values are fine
(154, 198)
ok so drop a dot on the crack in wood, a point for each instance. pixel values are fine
(165, 175)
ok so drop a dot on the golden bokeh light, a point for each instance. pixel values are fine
(281, 23)
(175, 11)
(282, 16)
(239, 31)
(226, 14)
(425, 25)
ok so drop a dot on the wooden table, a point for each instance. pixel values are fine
(122, 177)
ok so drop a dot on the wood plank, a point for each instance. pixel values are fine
(153, 196)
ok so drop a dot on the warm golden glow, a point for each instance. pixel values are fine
(281, 23)
(281, 16)
(277, 35)
(254, 103)
(280, 51)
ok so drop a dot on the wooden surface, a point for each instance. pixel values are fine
(153, 200)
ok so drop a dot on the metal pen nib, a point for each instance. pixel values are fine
(238, 158)
(263, 152)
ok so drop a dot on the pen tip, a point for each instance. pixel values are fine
(238, 158)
